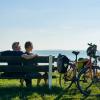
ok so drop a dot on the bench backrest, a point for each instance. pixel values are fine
(43, 63)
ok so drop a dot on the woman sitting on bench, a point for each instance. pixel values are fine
(29, 48)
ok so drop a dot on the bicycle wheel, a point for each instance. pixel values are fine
(89, 81)
(65, 79)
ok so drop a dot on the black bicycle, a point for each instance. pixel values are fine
(69, 77)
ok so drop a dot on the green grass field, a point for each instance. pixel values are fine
(11, 90)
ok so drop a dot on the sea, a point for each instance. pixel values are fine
(68, 53)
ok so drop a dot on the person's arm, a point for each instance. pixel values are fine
(29, 56)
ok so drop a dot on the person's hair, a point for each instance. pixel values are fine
(14, 45)
(28, 44)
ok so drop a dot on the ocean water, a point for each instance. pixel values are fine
(55, 53)
(68, 53)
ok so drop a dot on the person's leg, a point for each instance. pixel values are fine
(38, 82)
(45, 78)
(22, 82)
(28, 82)
(38, 75)
(46, 81)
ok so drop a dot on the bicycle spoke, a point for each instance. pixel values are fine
(66, 79)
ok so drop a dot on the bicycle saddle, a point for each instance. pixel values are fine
(75, 52)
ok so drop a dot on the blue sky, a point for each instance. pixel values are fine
(50, 24)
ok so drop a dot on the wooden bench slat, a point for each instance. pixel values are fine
(39, 59)
(39, 68)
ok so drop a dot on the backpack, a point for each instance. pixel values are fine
(91, 50)
(62, 63)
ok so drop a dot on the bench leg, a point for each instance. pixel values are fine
(50, 72)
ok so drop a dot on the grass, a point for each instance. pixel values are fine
(11, 90)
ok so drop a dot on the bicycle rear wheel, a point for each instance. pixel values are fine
(66, 79)
(89, 81)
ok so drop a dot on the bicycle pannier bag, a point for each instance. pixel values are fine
(62, 63)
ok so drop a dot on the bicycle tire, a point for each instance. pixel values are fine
(89, 82)
(66, 79)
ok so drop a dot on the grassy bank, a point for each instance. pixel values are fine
(11, 90)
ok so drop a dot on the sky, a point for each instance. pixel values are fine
(50, 24)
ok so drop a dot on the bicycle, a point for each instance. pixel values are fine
(88, 79)
(70, 76)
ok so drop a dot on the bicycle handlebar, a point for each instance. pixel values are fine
(90, 44)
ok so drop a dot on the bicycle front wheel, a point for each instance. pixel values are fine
(66, 79)
(89, 80)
